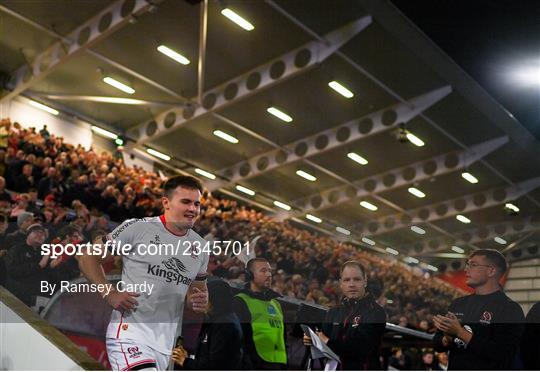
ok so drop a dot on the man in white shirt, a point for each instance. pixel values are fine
(162, 255)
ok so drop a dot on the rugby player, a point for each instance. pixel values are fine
(143, 326)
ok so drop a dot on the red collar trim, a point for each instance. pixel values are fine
(164, 222)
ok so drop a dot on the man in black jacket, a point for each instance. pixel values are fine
(26, 267)
(483, 330)
(354, 330)
(220, 339)
(530, 343)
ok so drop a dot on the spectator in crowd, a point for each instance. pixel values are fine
(442, 361)
(399, 360)
(24, 181)
(3, 193)
(49, 184)
(26, 267)
(24, 220)
(427, 363)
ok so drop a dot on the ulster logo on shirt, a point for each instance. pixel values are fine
(486, 317)
(356, 321)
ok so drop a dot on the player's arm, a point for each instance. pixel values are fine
(90, 267)
(197, 296)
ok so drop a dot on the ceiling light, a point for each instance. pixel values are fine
(343, 231)
(411, 260)
(158, 154)
(306, 175)
(462, 218)
(415, 140)
(357, 158)
(44, 108)
(173, 55)
(368, 205)
(118, 85)
(458, 249)
(511, 207)
(368, 241)
(227, 137)
(500, 240)
(416, 192)
(245, 190)
(392, 251)
(237, 19)
(204, 173)
(432, 268)
(340, 89)
(418, 230)
(282, 205)
(279, 114)
(469, 177)
(313, 218)
(103, 132)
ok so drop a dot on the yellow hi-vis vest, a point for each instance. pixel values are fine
(268, 328)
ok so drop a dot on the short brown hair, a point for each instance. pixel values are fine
(188, 182)
(494, 257)
(352, 263)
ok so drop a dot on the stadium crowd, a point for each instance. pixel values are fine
(63, 193)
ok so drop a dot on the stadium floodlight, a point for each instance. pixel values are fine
(469, 177)
(462, 218)
(173, 55)
(279, 114)
(418, 230)
(392, 251)
(416, 192)
(245, 190)
(357, 158)
(118, 85)
(306, 175)
(282, 205)
(313, 218)
(457, 249)
(415, 140)
(340, 89)
(500, 240)
(368, 205)
(343, 230)
(204, 173)
(225, 136)
(103, 132)
(41, 106)
(240, 21)
(158, 154)
(368, 241)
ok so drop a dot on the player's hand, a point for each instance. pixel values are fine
(122, 301)
(307, 340)
(449, 324)
(179, 355)
(198, 300)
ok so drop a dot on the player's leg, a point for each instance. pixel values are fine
(129, 355)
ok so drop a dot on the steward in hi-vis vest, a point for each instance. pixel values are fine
(262, 319)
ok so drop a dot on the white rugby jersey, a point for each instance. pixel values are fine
(158, 316)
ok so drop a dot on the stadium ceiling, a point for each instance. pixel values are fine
(369, 182)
